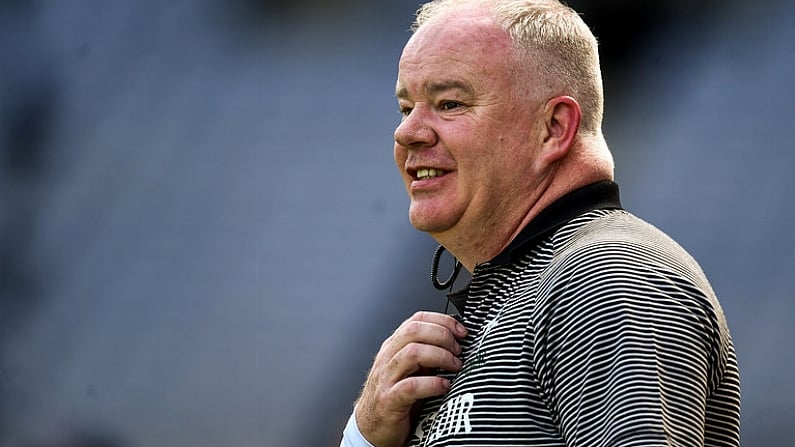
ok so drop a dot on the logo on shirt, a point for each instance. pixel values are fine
(479, 359)
(451, 419)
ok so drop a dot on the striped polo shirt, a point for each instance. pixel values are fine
(592, 329)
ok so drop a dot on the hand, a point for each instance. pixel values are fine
(424, 342)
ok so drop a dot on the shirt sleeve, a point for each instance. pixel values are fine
(625, 354)
(351, 436)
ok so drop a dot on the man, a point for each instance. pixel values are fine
(582, 325)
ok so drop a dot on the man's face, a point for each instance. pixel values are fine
(469, 137)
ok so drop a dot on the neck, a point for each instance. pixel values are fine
(475, 246)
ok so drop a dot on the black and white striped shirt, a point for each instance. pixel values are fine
(593, 329)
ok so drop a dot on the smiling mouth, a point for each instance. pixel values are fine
(426, 173)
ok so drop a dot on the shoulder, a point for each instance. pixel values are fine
(616, 267)
(616, 241)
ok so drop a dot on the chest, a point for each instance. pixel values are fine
(496, 397)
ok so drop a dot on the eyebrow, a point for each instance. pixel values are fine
(433, 88)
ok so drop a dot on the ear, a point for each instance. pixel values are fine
(562, 121)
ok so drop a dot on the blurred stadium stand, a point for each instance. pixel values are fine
(203, 239)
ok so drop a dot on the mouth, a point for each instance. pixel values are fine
(426, 173)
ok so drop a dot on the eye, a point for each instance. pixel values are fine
(450, 105)
(405, 111)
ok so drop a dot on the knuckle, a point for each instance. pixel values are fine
(420, 315)
(429, 315)
(384, 351)
(408, 387)
(413, 329)
(393, 364)
(413, 351)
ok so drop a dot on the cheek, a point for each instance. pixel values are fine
(400, 154)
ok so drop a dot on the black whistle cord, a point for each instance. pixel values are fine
(448, 283)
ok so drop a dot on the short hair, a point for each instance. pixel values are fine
(552, 42)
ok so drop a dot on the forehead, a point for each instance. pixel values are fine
(468, 46)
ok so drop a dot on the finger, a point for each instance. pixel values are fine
(386, 416)
(411, 389)
(415, 357)
(441, 319)
(427, 333)
(423, 327)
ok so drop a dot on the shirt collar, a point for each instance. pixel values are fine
(600, 195)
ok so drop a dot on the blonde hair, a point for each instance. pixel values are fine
(554, 45)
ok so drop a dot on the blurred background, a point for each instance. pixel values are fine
(203, 237)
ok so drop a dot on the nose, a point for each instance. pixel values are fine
(414, 130)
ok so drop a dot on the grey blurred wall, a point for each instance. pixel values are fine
(203, 237)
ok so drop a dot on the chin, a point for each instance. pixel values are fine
(429, 221)
(424, 227)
